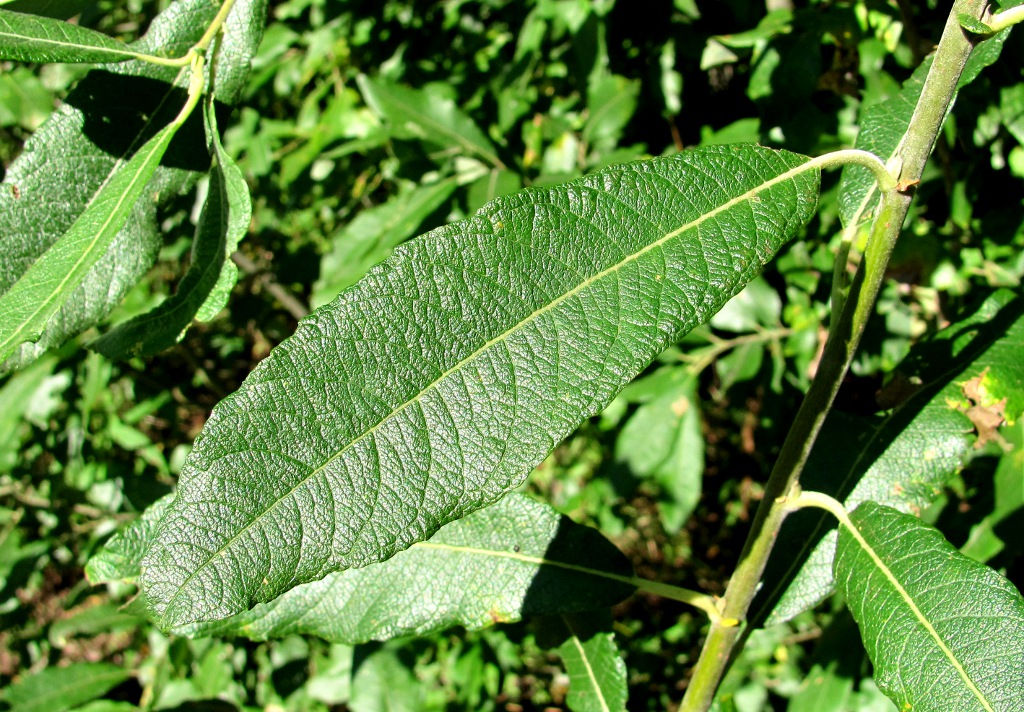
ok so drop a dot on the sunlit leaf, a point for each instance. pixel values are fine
(28, 38)
(959, 624)
(437, 383)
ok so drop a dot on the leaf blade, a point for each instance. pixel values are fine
(597, 672)
(205, 288)
(27, 38)
(902, 459)
(429, 426)
(514, 559)
(33, 300)
(905, 582)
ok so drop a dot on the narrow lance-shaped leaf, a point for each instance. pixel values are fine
(597, 672)
(428, 115)
(56, 689)
(68, 160)
(28, 38)
(959, 624)
(206, 286)
(29, 304)
(435, 384)
(904, 458)
(513, 559)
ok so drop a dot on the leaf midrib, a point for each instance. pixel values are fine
(16, 337)
(22, 39)
(485, 348)
(598, 692)
(918, 614)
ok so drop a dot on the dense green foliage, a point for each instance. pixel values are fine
(607, 323)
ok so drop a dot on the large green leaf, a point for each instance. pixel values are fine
(435, 384)
(944, 632)
(513, 559)
(597, 672)
(902, 459)
(67, 161)
(206, 286)
(56, 689)
(429, 115)
(27, 38)
(31, 302)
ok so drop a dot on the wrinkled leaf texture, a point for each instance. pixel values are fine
(903, 458)
(944, 632)
(513, 559)
(104, 119)
(434, 385)
(27, 38)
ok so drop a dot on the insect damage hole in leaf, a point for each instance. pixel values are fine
(435, 384)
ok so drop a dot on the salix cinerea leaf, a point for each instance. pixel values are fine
(67, 161)
(434, 385)
(960, 625)
(514, 559)
(33, 300)
(904, 457)
(205, 288)
(28, 38)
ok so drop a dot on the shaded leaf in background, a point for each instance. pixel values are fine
(662, 441)
(1001, 528)
(56, 689)
(883, 125)
(428, 115)
(26, 38)
(597, 672)
(59, 9)
(516, 558)
(205, 288)
(955, 651)
(66, 161)
(453, 368)
(902, 459)
(383, 682)
(836, 665)
(371, 236)
(120, 558)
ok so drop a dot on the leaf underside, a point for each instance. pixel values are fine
(435, 384)
(944, 632)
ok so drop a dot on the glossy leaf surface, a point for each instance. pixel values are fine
(904, 458)
(437, 383)
(955, 651)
